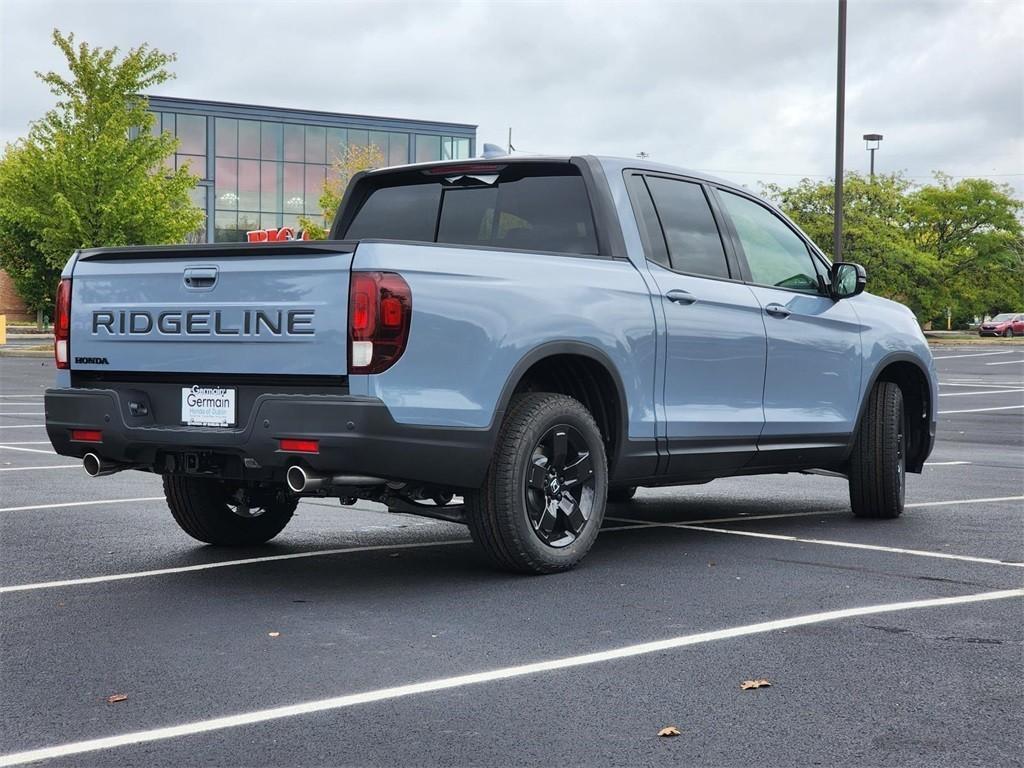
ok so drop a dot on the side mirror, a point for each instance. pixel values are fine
(848, 279)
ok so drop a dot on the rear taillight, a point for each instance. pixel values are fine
(62, 325)
(379, 314)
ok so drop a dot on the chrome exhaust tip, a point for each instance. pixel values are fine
(96, 467)
(92, 464)
(300, 481)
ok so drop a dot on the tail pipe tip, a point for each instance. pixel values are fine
(97, 467)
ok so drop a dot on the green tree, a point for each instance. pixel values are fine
(972, 229)
(90, 172)
(351, 161)
(930, 247)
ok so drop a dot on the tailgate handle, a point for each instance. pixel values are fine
(199, 278)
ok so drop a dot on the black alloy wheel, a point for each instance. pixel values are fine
(560, 486)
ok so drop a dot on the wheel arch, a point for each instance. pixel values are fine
(907, 372)
(579, 370)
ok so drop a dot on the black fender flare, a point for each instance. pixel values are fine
(551, 349)
(885, 362)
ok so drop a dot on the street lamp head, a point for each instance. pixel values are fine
(872, 138)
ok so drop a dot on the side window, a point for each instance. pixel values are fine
(775, 254)
(647, 219)
(694, 243)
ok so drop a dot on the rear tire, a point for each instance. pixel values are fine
(543, 498)
(878, 465)
(620, 494)
(209, 510)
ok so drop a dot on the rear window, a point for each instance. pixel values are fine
(533, 208)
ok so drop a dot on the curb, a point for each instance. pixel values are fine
(29, 352)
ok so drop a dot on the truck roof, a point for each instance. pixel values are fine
(611, 165)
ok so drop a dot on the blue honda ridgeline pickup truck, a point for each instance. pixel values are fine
(535, 335)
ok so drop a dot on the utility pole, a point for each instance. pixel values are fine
(510, 147)
(869, 140)
(837, 229)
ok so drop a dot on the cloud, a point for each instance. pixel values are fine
(744, 88)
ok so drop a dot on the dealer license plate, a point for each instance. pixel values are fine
(208, 406)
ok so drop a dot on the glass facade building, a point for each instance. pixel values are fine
(263, 167)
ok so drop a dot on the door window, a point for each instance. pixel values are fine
(694, 244)
(775, 254)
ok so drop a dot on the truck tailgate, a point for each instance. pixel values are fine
(256, 309)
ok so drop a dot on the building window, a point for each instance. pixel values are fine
(191, 132)
(198, 197)
(315, 136)
(337, 141)
(398, 148)
(428, 148)
(226, 141)
(294, 143)
(248, 139)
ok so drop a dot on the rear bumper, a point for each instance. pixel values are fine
(356, 435)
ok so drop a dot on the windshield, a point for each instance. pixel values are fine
(1003, 317)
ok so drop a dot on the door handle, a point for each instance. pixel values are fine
(679, 296)
(777, 310)
(200, 277)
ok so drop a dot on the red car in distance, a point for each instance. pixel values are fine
(1007, 324)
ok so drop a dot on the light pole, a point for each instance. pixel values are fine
(871, 142)
(837, 223)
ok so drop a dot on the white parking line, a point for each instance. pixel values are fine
(633, 525)
(1006, 362)
(983, 410)
(51, 466)
(972, 384)
(945, 463)
(21, 426)
(19, 405)
(10, 447)
(26, 396)
(975, 354)
(225, 564)
(853, 545)
(982, 392)
(989, 500)
(79, 504)
(493, 675)
(318, 553)
(22, 413)
(700, 525)
(27, 442)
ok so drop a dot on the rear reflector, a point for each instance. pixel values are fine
(294, 445)
(87, 435)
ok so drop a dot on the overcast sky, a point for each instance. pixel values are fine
(745, 89)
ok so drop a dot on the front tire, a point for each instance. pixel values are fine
(1009, 333)
(543, 499)
(878, 465)
(214, 512)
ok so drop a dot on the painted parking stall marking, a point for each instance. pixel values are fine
(478, 678)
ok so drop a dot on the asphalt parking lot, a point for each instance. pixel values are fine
(364, 638)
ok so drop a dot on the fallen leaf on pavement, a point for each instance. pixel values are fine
(746, 685)
(669, 731)
(117, 697)
(274, 634)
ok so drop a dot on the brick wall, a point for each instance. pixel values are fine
(10, 302)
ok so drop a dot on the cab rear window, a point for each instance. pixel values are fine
(521, 206)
